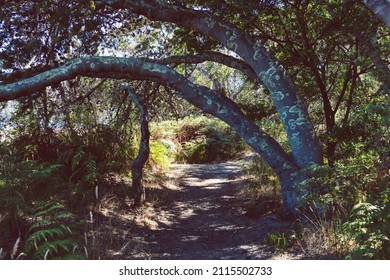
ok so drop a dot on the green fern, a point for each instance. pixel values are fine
(91, 172)
(84, 168)
(369, 227)
(50, 237)
(77, 158)
(158, 158)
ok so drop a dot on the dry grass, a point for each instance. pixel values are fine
(320, 237)
(115, 227)
(316, 237)
(114, 230)
(261, 191)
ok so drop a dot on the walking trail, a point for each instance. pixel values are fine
(202, 217)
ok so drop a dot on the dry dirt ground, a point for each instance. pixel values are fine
(199, 216)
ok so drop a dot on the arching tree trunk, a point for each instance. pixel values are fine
(138, 190)
(207, 100)
(293, 113)
(381, 8)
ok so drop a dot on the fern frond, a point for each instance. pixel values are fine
(62, 215)
(40, 223)
(45, 234)
(77, 158)
(45, 209)
(91, 169)
(50, 236)
(49, 221)
(54, 247)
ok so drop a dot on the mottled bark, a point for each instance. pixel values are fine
(381, 8)
(204, 98)
(302, 139)
(138, 190)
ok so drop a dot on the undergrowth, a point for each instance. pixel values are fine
(199, 140)
(354, 221)
(261, 189)
(33, 180)
(51, 234)
(356, 204)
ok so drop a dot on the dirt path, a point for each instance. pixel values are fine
(202, 218)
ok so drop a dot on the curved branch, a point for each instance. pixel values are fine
(202, 97)
(293, 114)
(381, 8)
(210, 56)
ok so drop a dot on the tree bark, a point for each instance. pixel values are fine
(381, 8)
(293, 114)
(138, 190)
(204, 98)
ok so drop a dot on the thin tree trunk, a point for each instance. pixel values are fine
(138, 190)
(368, 39)
(350, 97)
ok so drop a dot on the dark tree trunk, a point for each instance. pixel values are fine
(138, 190)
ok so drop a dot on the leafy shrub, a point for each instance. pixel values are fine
(358, 196)
(158, 157)
(350, 181)
(203, 140)
(369, 227)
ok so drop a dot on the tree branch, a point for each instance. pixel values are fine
(204, 98)
(291, 110)
(381, 8)
(224, 59)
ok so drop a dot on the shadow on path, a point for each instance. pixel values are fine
(203, 218)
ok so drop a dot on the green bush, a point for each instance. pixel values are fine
(356, 179)
(203, 140)
(369, 227)
(158, 157)
(357, 195)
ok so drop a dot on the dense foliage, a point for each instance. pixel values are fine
(59, 144)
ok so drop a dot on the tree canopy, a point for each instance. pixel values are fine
(315, 59)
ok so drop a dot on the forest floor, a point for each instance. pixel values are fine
(200, 214)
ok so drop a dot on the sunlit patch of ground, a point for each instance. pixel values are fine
(197, 212)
